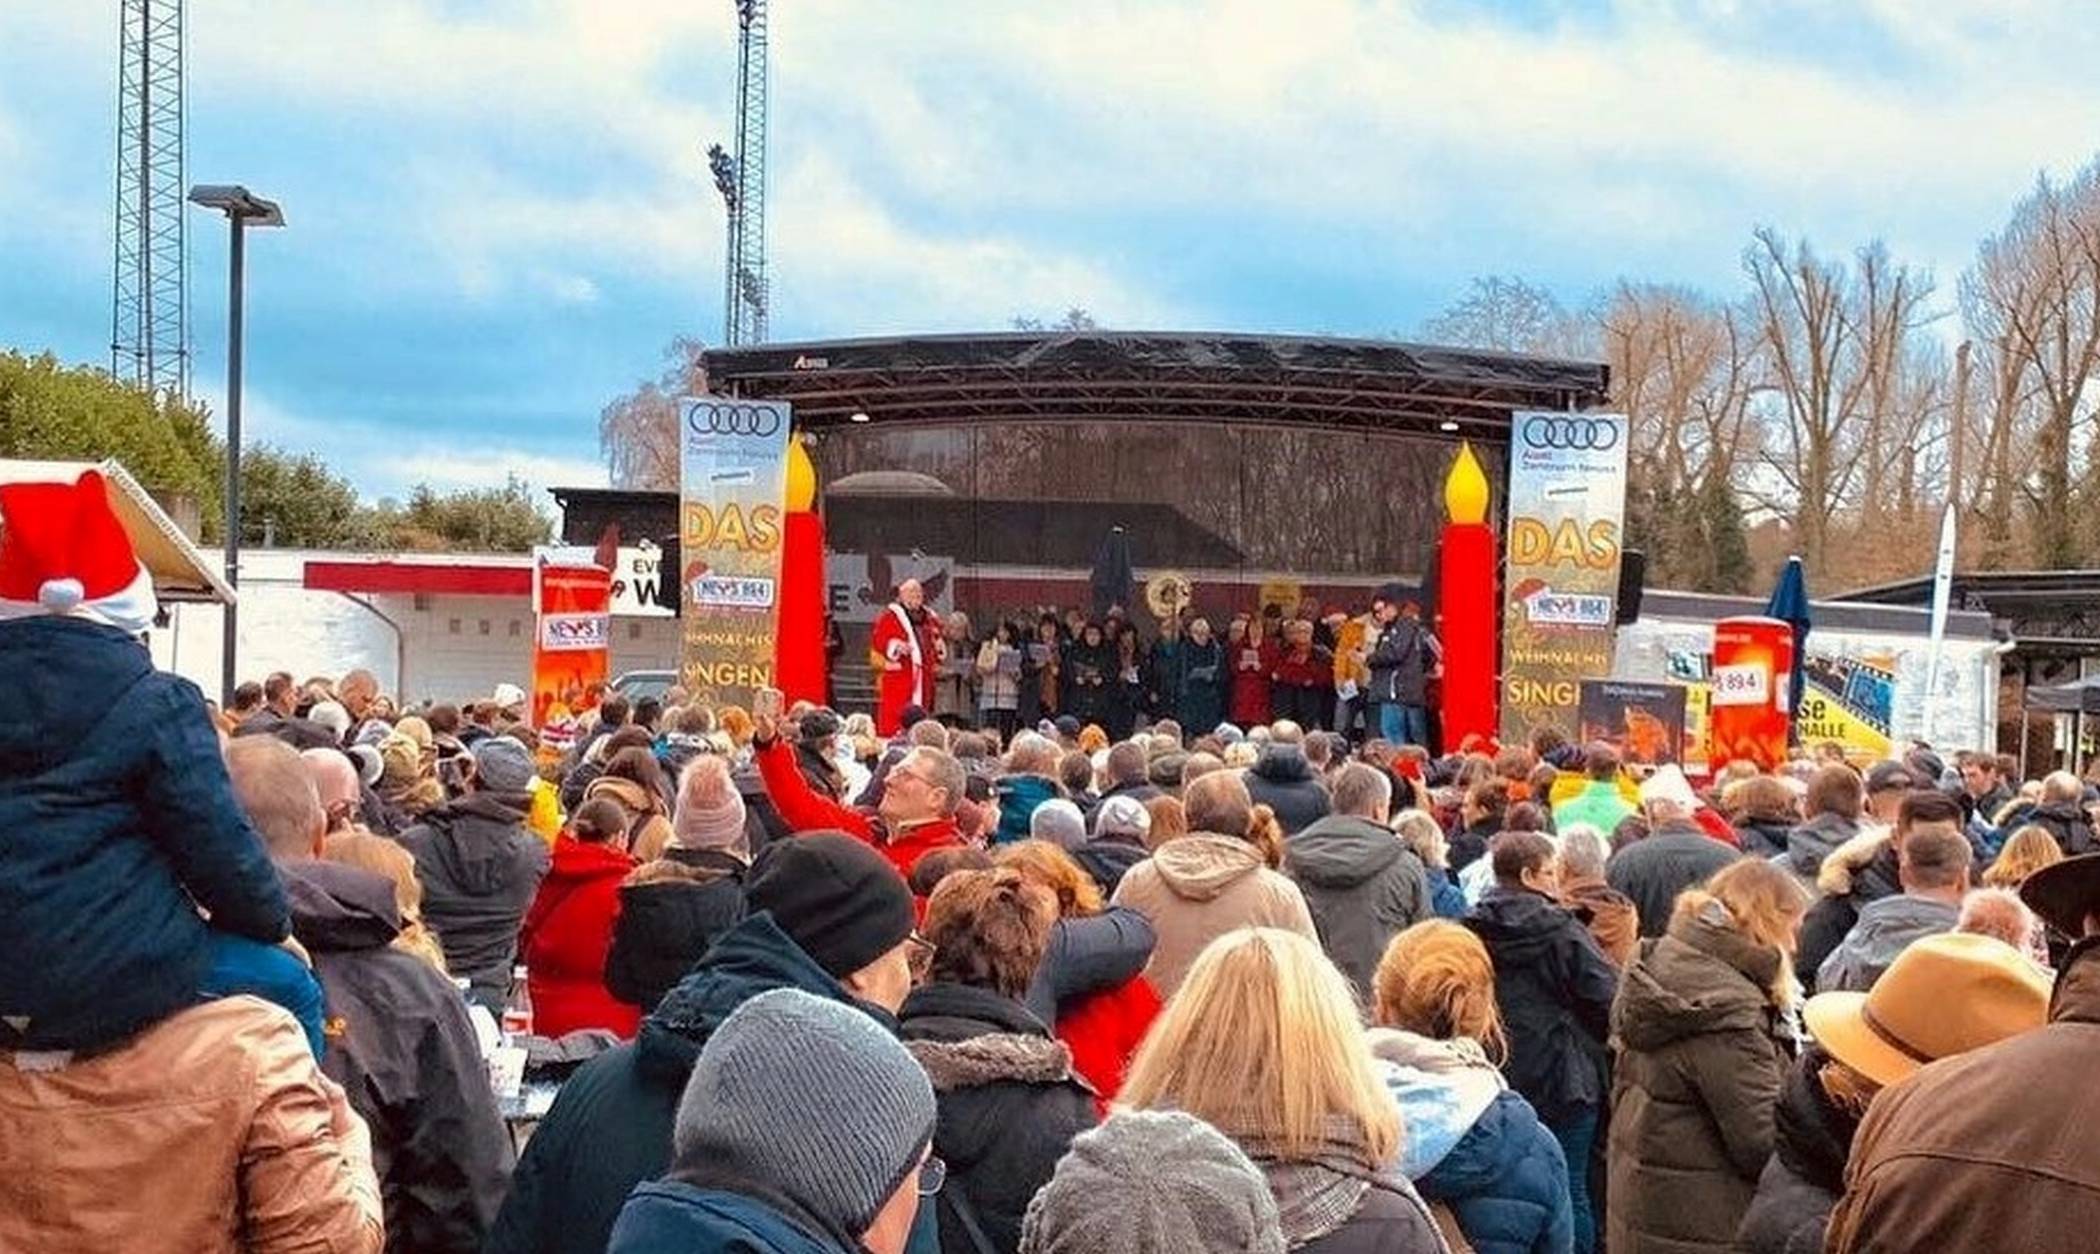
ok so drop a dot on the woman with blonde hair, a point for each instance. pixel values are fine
(387, 859)
(1217, 878)
(1704, 1024)
(1473, 1143)
(1420, 831)
(2026, 851)
(1262, 1042)
(1097, 955)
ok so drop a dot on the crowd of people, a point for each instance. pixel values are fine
(955, 991)
(1321, 666)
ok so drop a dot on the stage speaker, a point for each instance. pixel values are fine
(1633, 577)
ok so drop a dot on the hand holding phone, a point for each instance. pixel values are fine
(767, 703)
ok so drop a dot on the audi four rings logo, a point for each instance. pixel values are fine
(1590, 435)
(723, 418)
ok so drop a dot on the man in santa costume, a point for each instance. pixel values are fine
(905, 648)
(131, 884)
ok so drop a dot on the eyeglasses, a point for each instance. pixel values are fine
(921, 955)
(898, 772)
(933, 1173)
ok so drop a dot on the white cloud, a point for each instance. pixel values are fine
(458, 466)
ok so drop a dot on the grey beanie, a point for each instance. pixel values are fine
(503, 764)
(835, 1123)
(1153, 1182)
(1059, 822)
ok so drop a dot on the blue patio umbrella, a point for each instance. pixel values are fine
(1789, 604)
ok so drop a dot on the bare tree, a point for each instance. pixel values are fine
(1835, 340)
(638, 432)
(1510, 314)
(2032, 299)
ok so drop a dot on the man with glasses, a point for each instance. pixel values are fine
(916, 814)
(829, 917)
(823, 1146)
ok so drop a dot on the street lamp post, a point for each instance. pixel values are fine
(242, 209)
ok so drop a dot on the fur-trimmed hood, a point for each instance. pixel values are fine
(1834, 878)
(994, 1057)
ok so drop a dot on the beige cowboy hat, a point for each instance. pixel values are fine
(1943, 996)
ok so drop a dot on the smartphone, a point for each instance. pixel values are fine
(767, 703)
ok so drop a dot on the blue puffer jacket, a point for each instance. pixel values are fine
(116, 822)
(671, 1217)
(1507, 1183)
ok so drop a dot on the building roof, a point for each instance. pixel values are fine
(178, 569)
(1150, 375)
(2045, 611)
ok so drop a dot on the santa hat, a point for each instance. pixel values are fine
(63, 551)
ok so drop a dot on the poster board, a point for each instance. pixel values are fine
(732, 497)
(1644, 721)
(1567, 504)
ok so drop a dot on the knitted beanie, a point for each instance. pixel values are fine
(710, 810)
(503, 764)
(1059, 822)
(836, 897)
(812, 1097)
(1153, 1182)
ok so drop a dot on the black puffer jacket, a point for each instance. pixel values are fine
(1762, 838)
(1812, 1137)
(610, 1128)
(1283, 780)
(1555, 989)
(1009, 1102)
(671, 910)
(480, 868)
(400, 1044)
(1107, 859)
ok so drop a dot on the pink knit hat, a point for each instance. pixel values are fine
(710, 810)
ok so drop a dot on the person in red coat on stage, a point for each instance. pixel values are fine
(1251, 659)
(570, 926)
(906, 647)
(919, 799)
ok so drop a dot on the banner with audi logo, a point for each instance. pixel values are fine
(1567, 514)
(733, 486)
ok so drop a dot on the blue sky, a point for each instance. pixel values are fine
(500, 214)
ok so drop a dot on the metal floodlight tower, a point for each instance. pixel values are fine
(149, 340)
(742, 182)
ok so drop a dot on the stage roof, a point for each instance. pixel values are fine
(1149, 376)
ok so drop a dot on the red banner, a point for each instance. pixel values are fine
(1753, 660)
(572, 603)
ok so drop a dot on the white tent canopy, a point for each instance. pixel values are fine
(178, 569)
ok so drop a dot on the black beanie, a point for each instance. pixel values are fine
(835, 896)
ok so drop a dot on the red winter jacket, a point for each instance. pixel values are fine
(566, 935)
(1104, 1030)
(1250, 687)
(803, 810)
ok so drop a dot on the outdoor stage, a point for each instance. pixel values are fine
(996, 463)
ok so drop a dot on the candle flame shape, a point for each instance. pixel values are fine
(801, 478)
(1466, 488)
